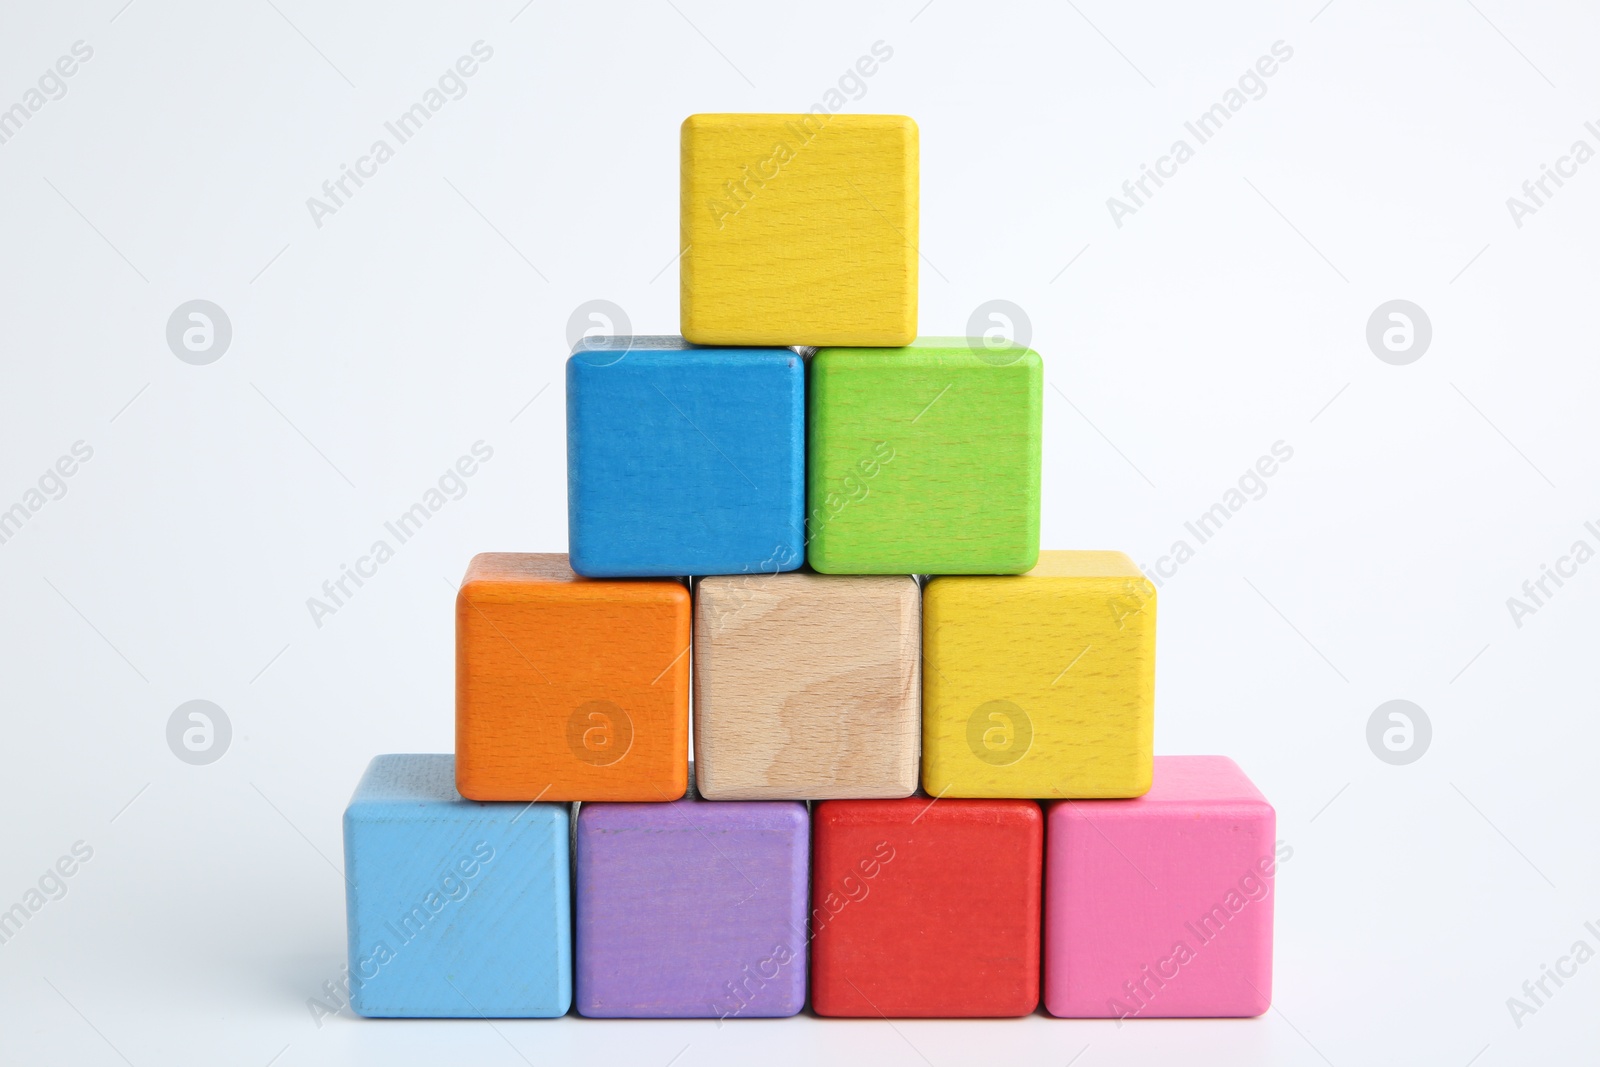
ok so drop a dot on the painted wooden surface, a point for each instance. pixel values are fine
(692, 909)
(1161, 906)
(923, 460)
(1043, 684)
(798, 229)
(684, 460)
(926, 908)
(807, 686)
(455, 909)
(569, 688)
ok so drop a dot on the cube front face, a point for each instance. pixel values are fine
(807, 686)
(923, 460)
(926, 908)
(692, 909)
(567, 688)
(684, 460)
(1040, 685)
(799, 229)
(1161, 907)
(455, 909)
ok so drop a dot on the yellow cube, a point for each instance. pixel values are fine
(799, 229)
(1040, 684)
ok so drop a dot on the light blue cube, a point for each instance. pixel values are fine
(456, 909)
(684, 460)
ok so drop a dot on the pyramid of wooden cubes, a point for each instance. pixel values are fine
(807, 540)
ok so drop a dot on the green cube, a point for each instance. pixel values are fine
(924, 459)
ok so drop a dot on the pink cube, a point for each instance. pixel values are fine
(1161, 906)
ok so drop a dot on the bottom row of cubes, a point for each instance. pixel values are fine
(1159, 906)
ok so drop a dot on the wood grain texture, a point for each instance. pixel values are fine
(807, 686)
(798, 229)
(684, 460)
(923, 460)
(569, 688)
(1161, 907)
(456, 909)
(1043, 684)
(692, 909)
(926, 908)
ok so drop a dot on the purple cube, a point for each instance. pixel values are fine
(691, 909)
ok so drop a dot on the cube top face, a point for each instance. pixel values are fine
(667, 350)
(569, 688)
(684, 460)
(1162, 906)
(399, 785)
(456, 909)
(404, 788)
(1083, 565)
(601, 350)
(1042, 684)
(807, 686)
(910, 448)
(1197, 785)
(692, 909)
(799, 229)
(926, 908)
(518, 577)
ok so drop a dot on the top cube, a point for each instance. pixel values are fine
(799, 229)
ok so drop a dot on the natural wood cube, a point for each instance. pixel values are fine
(807, 686)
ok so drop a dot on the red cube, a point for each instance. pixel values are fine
(926, 908)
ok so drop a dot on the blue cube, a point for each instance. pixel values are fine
(456, 909)
(684, 460)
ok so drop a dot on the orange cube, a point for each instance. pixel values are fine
(569, 688)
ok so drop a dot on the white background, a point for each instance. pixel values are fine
(368, 354)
